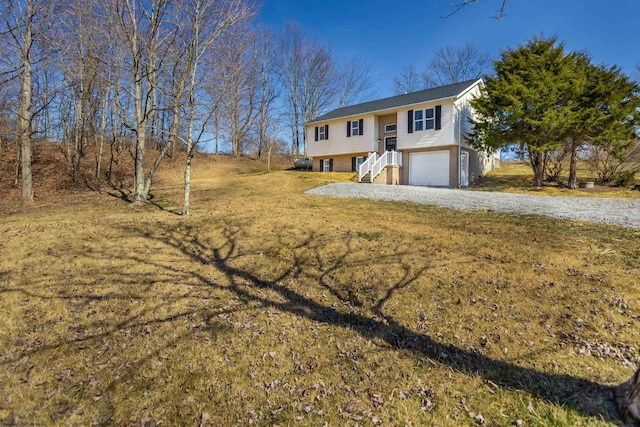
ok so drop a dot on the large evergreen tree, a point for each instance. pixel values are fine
(543, 98)
(522, 102)
(602, 110)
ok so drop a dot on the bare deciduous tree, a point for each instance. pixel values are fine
(355, 82)
(453, 64)
(5, 125)
(207, 21)
(606, 164)
(240, 105)
(264, 54)
(450, 64)
(309, 80)
(409, 81)
(20, 22)
(80, 47)
(215, 89)
(140, 28)
(314, 81)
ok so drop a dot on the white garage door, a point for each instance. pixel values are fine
(429, 168)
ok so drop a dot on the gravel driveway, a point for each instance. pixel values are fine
(624, 212)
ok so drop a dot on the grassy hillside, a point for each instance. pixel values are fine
(267, 306)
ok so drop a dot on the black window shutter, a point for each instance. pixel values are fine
(348, 129)
(361, 126)
(410, 121)
(326, 131)
(321, 165)
(316, 133)
(330, 165)
(438, 116)
(353, 164)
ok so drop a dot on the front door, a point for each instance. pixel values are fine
(390, 143)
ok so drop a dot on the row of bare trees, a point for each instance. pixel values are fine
(119, 70)
(126, 75)
(313, 81)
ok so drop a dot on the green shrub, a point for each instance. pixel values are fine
(624, 179)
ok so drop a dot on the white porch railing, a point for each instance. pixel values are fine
(389, 158)
(365, 167)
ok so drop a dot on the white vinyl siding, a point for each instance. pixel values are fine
(338, 142)
(427, 139)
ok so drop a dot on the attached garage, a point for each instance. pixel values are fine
(429, 168)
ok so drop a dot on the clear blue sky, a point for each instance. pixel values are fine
(391, 34)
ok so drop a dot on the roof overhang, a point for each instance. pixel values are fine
(452, 98)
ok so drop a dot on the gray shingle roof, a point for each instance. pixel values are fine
(432, 94)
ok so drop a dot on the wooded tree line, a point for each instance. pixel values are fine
(126, 75)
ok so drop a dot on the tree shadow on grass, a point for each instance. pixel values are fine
(118, 193)
(164, 209)
(125, 196)
(88, 334)
(586, 397)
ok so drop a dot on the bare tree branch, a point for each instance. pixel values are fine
(453, 64)
(309, 76)
(458, 6)
(450, 64)
(409, 80)
(355, 82)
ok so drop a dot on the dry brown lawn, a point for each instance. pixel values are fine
(271, 307)
(517, 177)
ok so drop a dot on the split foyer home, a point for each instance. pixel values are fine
(417, 139)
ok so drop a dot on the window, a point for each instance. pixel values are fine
(322, 132)
(418, 120)
(326, 166)
(427, 119)
(355, 128)
(356, 162)
(424, 119)
(390, 128)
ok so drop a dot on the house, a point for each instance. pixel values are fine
(417, 138)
